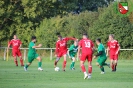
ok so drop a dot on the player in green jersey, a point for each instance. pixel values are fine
(33, 55)
(101, 56)
(72, 52)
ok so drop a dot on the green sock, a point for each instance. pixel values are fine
(102, 69)
(104, 64)
(39, 64)
(71, 66)
(26, 66)
(73, 63)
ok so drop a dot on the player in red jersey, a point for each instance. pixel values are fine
(113, 48)
(16, 44)
(61, 50)
(87, 51)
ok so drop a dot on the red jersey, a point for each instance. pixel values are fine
(15, 43)
(113, 46)
(61, 45)
(86, 46)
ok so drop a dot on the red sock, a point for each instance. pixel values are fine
(21, 61)
(83, 68)
(16, 62)
(113, 67)
(55, 63)
(64, 64)
(90, 69)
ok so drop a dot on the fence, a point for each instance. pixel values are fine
(122, 51)
(25, 51)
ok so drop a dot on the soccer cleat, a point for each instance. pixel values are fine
(108, 65)
(85, 76)
(25, 68)
(113, 70)
(89, 76)
(102, 72)
(17, 65)
(73, 68)
(40, 69)
(22, 65)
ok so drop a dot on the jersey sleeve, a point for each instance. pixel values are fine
(67, 38)
(20, 42)
(32, 44)
(10, 43)
(92, 44)
(57, 48)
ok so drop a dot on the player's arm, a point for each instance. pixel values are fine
(107, 52)
(37, 46)
(79, 49)
(57, 49)
(70, 38)
(20, 44)
(118, 49)
(9, 44)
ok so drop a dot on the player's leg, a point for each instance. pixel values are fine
(39, 63)
(89, 58)
(73, 62)
(112, 62)
(100, 63)
(64, 62)
(56, 61)
(30, 59)
(26, 66)
(20, 56)
(82, 60)
(115, 62)
(15, 57)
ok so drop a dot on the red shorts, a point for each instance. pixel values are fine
(86, 56)
(16, 53)
(113, 57)
(60, 54)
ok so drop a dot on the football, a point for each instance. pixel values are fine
(57, 69)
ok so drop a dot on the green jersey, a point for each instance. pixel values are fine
(31, 51)
(101, 48)
(73, 50)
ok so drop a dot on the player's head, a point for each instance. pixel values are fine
(98, 41)
(111, 37)
(15, 36)
(76, 42)
(59, 37)
(33, 38)
(85, 35)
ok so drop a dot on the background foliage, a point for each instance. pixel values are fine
(44, 18)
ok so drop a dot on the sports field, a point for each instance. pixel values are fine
(15, 77)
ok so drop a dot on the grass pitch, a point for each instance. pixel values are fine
(15, 77)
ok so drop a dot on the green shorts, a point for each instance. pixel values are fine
(72, 55)
(31, 58)
(101, 61)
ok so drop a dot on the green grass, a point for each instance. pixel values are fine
(16, 77)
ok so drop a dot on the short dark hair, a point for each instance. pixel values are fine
(85, 34)
(98, 39)
(60, 36)
(33, 37)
